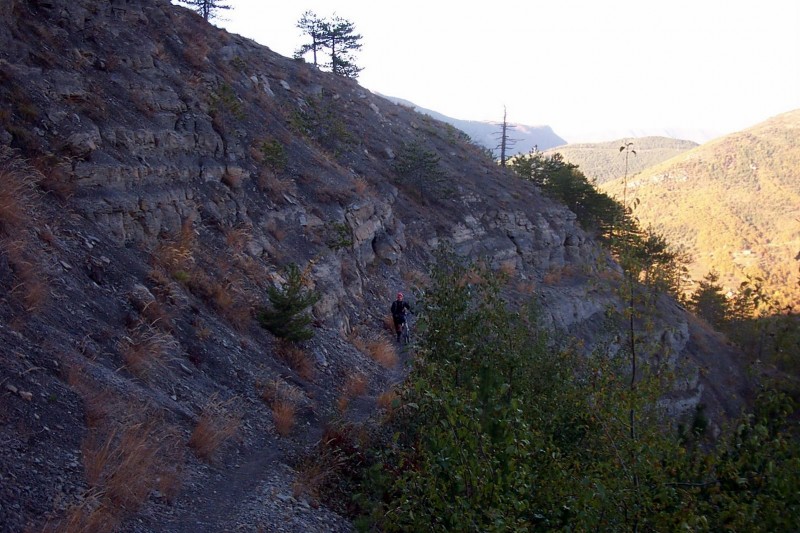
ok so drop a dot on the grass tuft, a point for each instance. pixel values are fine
(216, 426)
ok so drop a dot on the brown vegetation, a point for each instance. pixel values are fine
(297, 359)
(283, 416)
(354, 385)
(386, 400)
(284, 400)
(146, 351)
(217, 424)
(378, 347)
(129, 452)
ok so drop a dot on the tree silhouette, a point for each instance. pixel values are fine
(336, 37)
(207, 8)
(709, 301)
(316, 29)
(506, 142)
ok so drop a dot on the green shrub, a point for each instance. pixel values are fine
(274, 155)
(419, 172)
(496, 431)
(287, 315)
(339, 235)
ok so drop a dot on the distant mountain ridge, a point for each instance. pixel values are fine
(599, 135)
(487, 134)
(734, 203)
(604, 162)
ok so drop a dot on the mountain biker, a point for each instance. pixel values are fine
(399, 308)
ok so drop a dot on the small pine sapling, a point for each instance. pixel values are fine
(287, 315)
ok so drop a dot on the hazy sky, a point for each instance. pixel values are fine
(579, 66)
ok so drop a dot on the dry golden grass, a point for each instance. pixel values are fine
(283, 400)
(232, 180)
(31, 287)
(283, 416)
(17, 194)
(354, 385)
(471, 277)
(55, 179)
(508, 268)
(387, 399)
(129, 452)
(177, 255)
(195, 52)
(237, 238)
(558, 274)
(297, 359)
(18, 216)
(122, 466)
(378, 347)
(275, 186)
(321, 466)
(525, 287)
(342, 403)
(216, 426)
(159, 278)
(201, 329)
(388, 323)
(383, 351)
(146, 351)
(361, 186)
(156, 315)
(279, 390)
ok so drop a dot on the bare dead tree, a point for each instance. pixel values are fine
(505, 141)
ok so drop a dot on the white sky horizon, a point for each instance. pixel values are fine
(582, 67)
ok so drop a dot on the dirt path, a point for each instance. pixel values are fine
(254, 491)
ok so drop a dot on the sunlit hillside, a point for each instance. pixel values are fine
(602, 162)
(733, 202)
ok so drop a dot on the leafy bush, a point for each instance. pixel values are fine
(495, 431)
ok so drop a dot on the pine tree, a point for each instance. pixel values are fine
(342, 44)
(336, 37)
(709, 302)
(287, 317)
(207, 8)
(316, 29)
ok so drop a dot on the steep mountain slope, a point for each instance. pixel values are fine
(602, 162)
(734, 203)
(158, 174)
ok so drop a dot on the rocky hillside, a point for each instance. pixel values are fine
(158, 175)
(603, 162)
(733, 203)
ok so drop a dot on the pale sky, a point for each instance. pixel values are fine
(709, 67)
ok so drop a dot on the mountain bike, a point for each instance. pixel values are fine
(405, 333)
